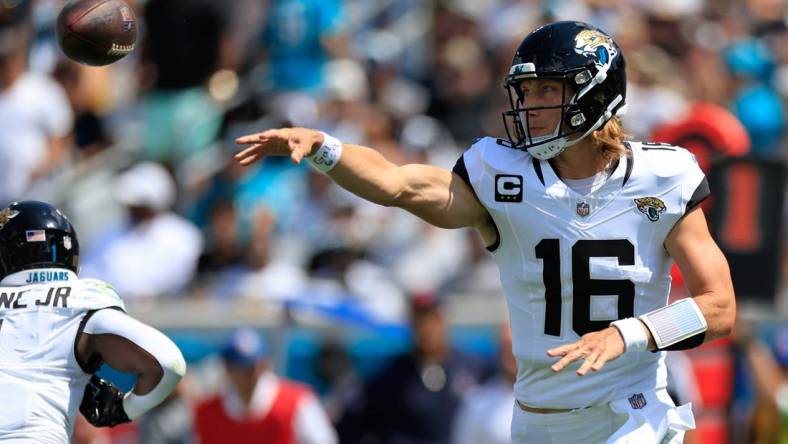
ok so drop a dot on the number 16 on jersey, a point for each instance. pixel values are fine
(583, 286)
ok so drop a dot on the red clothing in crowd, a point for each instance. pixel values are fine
(215, 426)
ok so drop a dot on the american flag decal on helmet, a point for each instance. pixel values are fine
(36, 235)
(637, 401)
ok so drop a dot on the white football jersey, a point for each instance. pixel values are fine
(41, 383)
(571, 263)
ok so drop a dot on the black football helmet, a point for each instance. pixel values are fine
(36, 235)
(591, 68)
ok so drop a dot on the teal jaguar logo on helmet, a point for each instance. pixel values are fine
(595, 45)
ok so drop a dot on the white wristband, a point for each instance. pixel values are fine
(327, 156)
(635, 337)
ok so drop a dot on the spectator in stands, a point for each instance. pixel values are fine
(80, 85)
(35, 116)
(756, 102)
(414, 399)
(179, 53)
(156, 253)
(224, 247)
(769, 422)
(268, 277)
(486, 413)
(335, 371)
(258, 406)
(170, 422)
(298, 40)
(223, 264)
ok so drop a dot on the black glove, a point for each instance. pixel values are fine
(102, 403)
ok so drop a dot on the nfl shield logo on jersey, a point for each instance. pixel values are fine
(637, 401)
(583, 209)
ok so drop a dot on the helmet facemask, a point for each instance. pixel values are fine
(519, 120)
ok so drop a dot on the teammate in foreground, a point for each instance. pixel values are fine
(56, 330)
(584, 228)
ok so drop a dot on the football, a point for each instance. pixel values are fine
(96, 32)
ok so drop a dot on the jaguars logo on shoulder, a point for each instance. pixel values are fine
(596, 46)
(652, 207)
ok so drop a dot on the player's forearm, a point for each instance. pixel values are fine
(714, 295)
(719, 310)
(366, 173)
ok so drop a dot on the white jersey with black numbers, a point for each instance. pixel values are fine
(571, 263)
(41, 382)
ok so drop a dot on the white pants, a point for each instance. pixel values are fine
(657, 421)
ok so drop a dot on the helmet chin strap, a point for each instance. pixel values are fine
(544, 150)
(537, 139)
(548, 150)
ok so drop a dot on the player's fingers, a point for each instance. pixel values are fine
(260, 137)
(251, 151)
(558, 366)
(297, 151)
(588, 363)
(250, 138)
(601, 360)
(564, 349)
(250, 160)
(568, 359)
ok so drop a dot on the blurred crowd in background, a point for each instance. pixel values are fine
(139, 156)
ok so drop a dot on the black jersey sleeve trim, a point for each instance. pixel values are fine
(94, 363)
(701, 193)
(630, 159)
(497, 243)
(538, 169)
(460, 170)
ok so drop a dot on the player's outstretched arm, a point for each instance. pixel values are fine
(128, 345)
(706, 273)
(434, 194)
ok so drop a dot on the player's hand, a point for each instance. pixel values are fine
(594, 348)
(296, 143)
(102, 403)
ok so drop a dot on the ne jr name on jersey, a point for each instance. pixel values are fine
(56, 296)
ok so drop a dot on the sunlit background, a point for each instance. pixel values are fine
(138, 155)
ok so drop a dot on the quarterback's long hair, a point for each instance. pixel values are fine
(610, 138)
